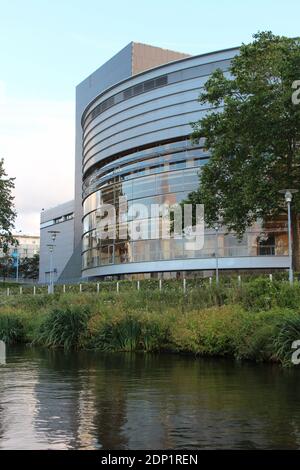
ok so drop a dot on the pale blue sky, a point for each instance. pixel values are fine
(49, 46)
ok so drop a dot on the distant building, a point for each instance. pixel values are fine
(28, 246)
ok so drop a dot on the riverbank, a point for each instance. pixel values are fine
(256, 321)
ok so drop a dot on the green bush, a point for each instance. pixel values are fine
(155, 335)
(129, 332)
(263, 294)
(65, 327)
(288, 296)
(11, 329)
(121, 335)
(258, 294)
(254, 338)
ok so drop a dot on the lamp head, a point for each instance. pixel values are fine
(288, 196)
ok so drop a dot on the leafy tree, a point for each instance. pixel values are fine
(6, 266)
(7, 211)
(29, 267)
(253, 134)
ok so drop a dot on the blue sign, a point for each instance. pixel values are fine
(15, 257)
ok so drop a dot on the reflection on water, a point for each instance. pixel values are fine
(87, 400)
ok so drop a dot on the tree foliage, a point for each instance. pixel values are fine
(29, 267)
(253, 135)
(7, 211)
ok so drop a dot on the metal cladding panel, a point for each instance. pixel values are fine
(143, 118)
(144, 139)
(209, 264)
(141, 132)
(139, 113)
(58, 211)
(158, 99)
(177, 67)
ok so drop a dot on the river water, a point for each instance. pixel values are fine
(88, 400)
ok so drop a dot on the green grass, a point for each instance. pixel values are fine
(256, 321)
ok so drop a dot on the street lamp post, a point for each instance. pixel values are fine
(217, 253)
(17, 259)
(288, 196)
(53, 234)
(17, 264)
(50, 288)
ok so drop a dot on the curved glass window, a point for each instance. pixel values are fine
(158, 250)
(151, 177)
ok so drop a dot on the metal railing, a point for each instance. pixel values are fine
(126, 285)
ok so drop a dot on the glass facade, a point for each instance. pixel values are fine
(163, 174)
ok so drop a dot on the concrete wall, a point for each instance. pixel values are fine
(146, 57)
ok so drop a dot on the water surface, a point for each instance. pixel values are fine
(88, 400)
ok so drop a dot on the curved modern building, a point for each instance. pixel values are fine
(133, 123)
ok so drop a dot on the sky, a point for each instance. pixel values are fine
(48, 47)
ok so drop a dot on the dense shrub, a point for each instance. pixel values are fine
(209, 332)
(11, 329)
(288, 296)
(258, 294)
(118, 335)
(155, 334)
(64, 326)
